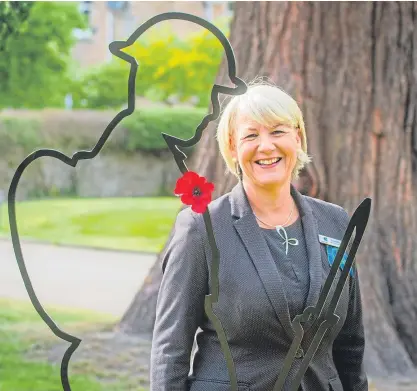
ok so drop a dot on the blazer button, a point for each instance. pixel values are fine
(299, 353)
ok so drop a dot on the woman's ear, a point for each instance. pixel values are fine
(298, 136)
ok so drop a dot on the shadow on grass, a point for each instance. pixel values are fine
(30, 354)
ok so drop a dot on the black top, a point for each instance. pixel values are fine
(293, 267)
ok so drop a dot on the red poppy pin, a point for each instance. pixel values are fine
(194, 190)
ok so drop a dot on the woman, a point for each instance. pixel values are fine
(273, 264)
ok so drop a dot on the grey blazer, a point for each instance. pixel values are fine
(252, 305)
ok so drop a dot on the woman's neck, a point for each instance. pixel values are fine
(273, 203)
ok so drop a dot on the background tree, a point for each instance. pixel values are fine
(35, 58)
(12, 15)
(352, 68)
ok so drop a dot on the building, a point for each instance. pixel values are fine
(117, 20)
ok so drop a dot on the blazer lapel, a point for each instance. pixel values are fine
(256, 246)
(311, 235)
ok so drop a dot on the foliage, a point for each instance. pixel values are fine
(12, 15)
(184, 68)
(19, 133)
(69, 131)
(168, 67)
(34, 62)
(102, 87)
(145, 126)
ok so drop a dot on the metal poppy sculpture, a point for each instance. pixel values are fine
(194, 190)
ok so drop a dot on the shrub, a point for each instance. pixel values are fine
(102, 87)
(69, 131)
(19, 134)
(144, 126)
(170, 67)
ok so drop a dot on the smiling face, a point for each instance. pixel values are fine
(255, 144)
(264, 122)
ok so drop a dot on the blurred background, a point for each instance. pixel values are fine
(93, 236)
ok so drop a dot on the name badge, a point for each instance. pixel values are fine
(329, 241)
(332, 246)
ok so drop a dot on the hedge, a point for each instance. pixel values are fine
(19, 133)
(69, 131)
(145, 126)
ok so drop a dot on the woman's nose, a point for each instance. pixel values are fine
(266, 143)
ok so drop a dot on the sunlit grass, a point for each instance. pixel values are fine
(138, 224)
(18, 323)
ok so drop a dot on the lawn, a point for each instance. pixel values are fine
(20, 326)
(138, 224)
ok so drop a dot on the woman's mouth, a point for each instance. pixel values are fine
(268, 163)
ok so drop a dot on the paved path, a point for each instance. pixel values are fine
(99, 280)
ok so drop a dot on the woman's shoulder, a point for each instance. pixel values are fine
(325, 208)
(216, 208)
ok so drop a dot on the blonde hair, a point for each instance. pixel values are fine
(268, 105)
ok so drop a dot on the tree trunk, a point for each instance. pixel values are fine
(352, 67)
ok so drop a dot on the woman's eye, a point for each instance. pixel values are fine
(254, 135)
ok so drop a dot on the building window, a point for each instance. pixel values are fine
(85, 8)
(208, 10)
(117, 5)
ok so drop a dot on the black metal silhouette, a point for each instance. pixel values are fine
(116, 49)
(358, 220)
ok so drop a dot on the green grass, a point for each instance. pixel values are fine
(19, 322)
(138, 224)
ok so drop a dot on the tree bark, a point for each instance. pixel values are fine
(352, 67)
